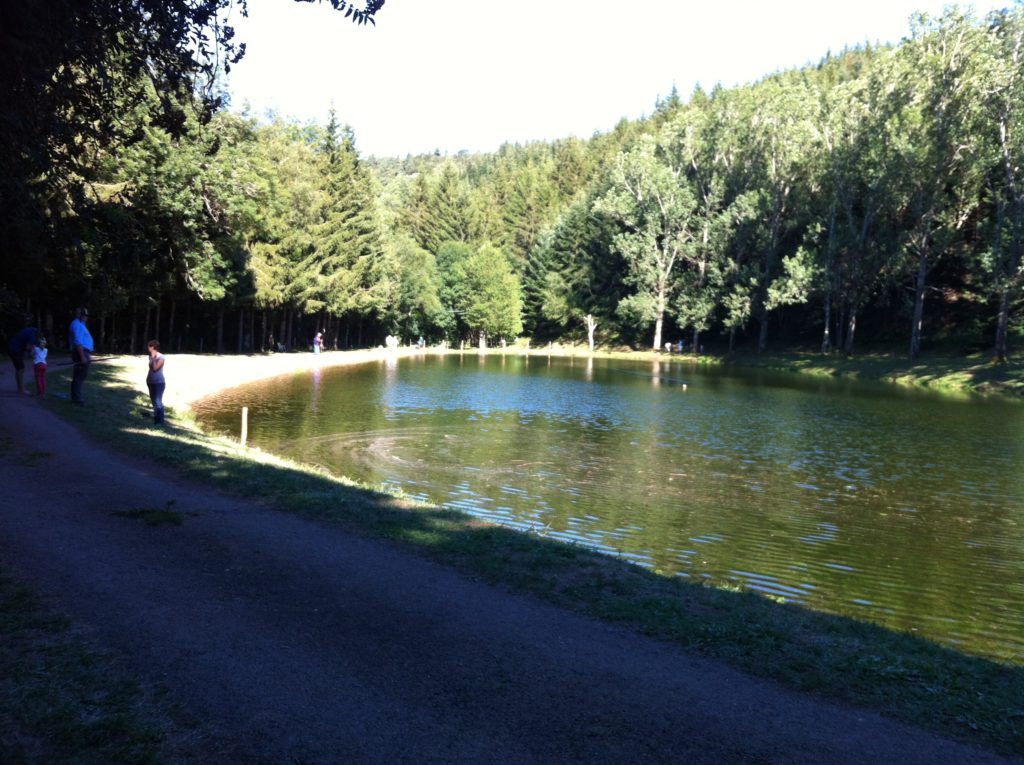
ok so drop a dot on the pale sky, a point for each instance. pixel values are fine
(473, 74)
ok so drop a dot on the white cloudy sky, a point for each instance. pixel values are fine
(472, 74)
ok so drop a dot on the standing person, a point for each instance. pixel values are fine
(39, 365)
(318, 341)
(155, 380)
(18, 347)
(81, 353)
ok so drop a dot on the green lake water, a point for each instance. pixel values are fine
(896, 506)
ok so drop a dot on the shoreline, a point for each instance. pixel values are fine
(205, 375)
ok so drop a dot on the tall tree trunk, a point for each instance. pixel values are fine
(919, 287)
(156, 320)
(841, 327)
(659, 319)
(241, 329)
(251, 345)
(696, 341)
(184, 338)
(170, 324)
(1002, 325)
(263, 332)
(220, 331)
(826, 340)
(145, 329)
(851, 329)
(591, 326)
(762, 335)
(282, 333)
(135, 326)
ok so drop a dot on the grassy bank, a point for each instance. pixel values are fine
(63, 698)
(905, 677)
(974, 374)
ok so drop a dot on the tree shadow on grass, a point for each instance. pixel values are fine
(976, 373)
(901, 675)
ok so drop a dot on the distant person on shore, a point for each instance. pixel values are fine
(318, 341)
(81, 353)
(39, 365)
(18, 347)
(155, 380)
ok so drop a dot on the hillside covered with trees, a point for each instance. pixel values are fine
(873, 200)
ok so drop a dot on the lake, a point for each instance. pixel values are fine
(897, 506)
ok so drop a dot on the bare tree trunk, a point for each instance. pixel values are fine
(241, 329)
(156, 323)
(919, 288)
(282, 334)
(826, 340)
(263, 333)
(135, 327)
(851, 329)
(170, 324)
(220, 331)
(1002, 325)
(591, 326)
(251, 346)
(762, 335)
(145, 329)
(188, 324)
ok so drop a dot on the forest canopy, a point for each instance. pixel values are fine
(874, 199)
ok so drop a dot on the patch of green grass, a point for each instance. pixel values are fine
(32, 459)
(62, 698)
(154, 516)
(903, 676)
(975, 373)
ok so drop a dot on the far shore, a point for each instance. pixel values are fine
(192, 377)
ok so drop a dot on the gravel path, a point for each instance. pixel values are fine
(296, 643)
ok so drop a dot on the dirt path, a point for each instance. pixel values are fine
(298, 643)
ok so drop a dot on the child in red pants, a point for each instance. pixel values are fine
(39, 359)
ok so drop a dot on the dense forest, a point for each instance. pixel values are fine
(874, 200)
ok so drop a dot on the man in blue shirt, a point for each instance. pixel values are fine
(17, 347)
(81, 353)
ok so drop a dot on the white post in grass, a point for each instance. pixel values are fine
(245, 423)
